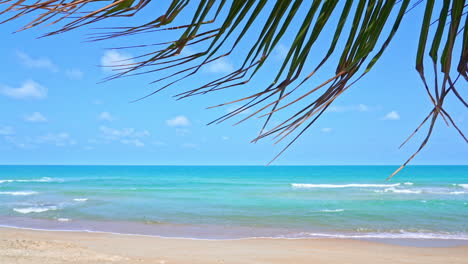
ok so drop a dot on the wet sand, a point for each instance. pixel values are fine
(21, 246)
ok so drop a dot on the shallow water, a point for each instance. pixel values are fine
(421, 203)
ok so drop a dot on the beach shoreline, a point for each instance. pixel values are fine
(58, 247)
(225, 232)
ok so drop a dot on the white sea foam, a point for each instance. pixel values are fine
(443, 191)
(38, 209)
(351, 185)
(332, 210)
(440, 191)
(19, 193)
(43, 179)
(402, 235)
(376, 235)
(457, 192)
(394, 190)
(408, 183)
(463, 185)
(80, 199)
(63, 219)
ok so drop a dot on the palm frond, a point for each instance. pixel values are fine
(362, 31)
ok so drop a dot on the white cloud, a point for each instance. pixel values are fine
(225, 138)
(220, 65)
(29, 89)
(363, 108)
(158, 143)
(105, 116)
(187, 51)
(178, 121)
(393, 115)
(17, 143)
(326, 129)
(61, 139)
(190, 146)
(349, 108)
(280, 52)
(58, 139)
(35, 117)
(113, 60)
(74, 74)
(6, 131)
(182, 131)
(127, 136)
(38, 63)
(135, 142)
(113, 133)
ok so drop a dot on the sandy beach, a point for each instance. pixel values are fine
(20, 246)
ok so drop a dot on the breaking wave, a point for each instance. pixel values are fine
(43, 179)
(351, 185)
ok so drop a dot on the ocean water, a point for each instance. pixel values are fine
(217, 202)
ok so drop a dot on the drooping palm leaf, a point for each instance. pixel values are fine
(363, 28)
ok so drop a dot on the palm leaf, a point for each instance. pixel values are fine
(362, 32)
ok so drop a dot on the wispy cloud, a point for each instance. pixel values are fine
(326, 129)
(225, 138)
(127, 136)
(35, 117)
(393, 115)
(106, 116)
(280, 52)
(29, 89)
(61, 139)
(190, 146)
(182, 132)
(74, 74)
(6, 131)
(135, 142)
(221, 65)
(18, 143)
(187, 51)
(349, 108)
(113, 60)
(158, 143)
(178, 121)
(37, 63)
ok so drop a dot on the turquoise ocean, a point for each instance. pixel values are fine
(422, 203)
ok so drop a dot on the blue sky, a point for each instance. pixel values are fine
(55, 112)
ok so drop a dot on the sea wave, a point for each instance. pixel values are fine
(457, 192)
(20, 193)
(439, 191)
(462, 236)
(331, 210)
(408, 183)
(38, 209)
(43, 179)
(351, 185)
(463, 185)
(409, 191)
(384, 235)
(80, 199)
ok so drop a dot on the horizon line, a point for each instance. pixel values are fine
(233, 165)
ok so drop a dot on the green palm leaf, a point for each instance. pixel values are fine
(219, 26)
